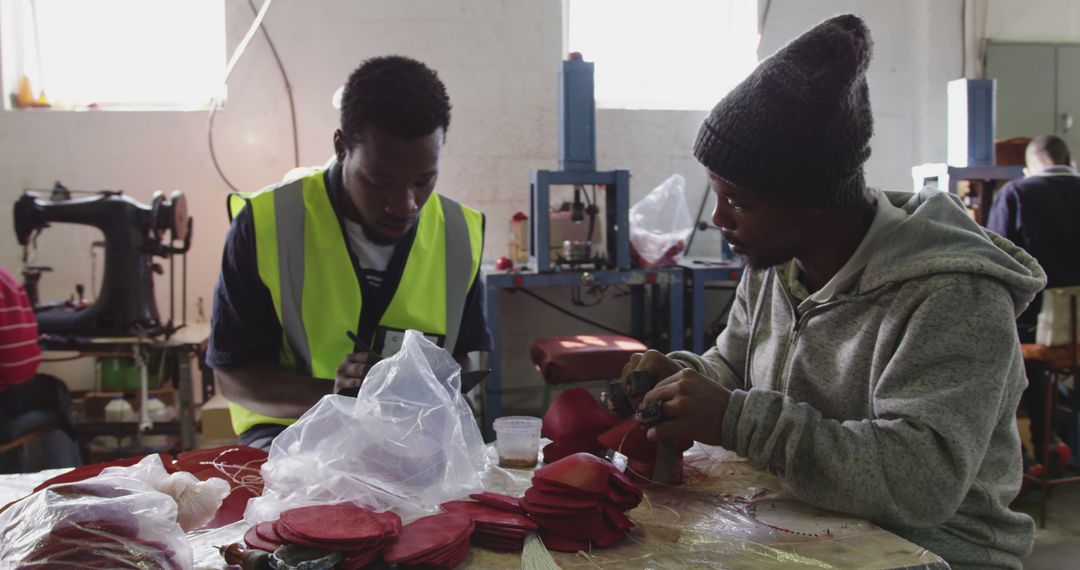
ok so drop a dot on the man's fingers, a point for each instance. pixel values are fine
(358, 358)
(666, 390)
(631, 365)
(668, 428)
(348, 382)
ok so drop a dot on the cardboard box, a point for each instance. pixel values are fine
(216, 422)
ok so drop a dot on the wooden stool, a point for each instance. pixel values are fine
(1061, 362)
(581, 358)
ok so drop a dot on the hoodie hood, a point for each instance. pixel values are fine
(938, 236)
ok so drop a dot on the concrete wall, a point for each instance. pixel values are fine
(498, 59)
(1050, 21)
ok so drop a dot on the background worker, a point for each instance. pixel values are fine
(363, 245)
(870, 358)
(1041, 214)
(28, 399)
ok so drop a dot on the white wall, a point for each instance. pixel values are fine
(916, 51)
(1047, 21)
(498, 59)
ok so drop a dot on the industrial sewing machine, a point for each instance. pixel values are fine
(134, 234)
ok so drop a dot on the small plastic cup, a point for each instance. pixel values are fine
(517, 439)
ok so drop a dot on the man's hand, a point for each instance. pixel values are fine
(352, 371)
(693, 407)
(652, 360)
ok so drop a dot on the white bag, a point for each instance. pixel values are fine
(408, 442)
(1053, 328)
(661, 223)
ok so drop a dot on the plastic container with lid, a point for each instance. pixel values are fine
(517, 439)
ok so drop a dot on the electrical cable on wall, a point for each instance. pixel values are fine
(575, 316)
(260, 14)
(288, 86)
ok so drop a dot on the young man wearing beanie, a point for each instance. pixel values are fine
(871, 357)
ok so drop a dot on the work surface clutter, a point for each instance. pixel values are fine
(580, 509)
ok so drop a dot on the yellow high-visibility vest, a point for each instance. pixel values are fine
(303, 258)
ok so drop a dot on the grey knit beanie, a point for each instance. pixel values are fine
(798, 128)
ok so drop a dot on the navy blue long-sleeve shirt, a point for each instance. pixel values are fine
(1041, 214)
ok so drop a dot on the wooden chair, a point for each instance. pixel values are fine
(1058, 353)
(20, 430)
(1010, 151)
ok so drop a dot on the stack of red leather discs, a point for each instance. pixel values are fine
(436, 541)
(359, 533)
(578, 500)
(497, 527)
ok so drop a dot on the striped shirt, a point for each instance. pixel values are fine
(19, 351)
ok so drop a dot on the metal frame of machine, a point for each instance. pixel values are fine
(577, 163)
(617, 227)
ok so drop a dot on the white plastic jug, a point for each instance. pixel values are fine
(157, 410)
(119, 410)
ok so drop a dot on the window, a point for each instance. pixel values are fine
(675, 54)
(111, 54)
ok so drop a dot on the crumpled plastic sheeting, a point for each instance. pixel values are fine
(660, 224)
(126, 517)
(205, 543)
(408, 442)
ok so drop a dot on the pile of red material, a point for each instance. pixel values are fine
(83, 472)
(359, 533)
(577, 423)
(103, 536)
(238, 465)
(578, 500)
(498, 525)
(572, 423)
(629, 439)
(436, 541)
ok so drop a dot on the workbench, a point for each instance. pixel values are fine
(727, 515)
(496, 282)
(190, 341)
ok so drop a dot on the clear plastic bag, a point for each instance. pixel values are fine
(660, 224)
(408, 442)
(118, 519)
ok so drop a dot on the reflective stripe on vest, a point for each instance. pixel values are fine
(304, 261)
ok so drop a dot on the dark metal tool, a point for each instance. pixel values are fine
(639, 383)
(359, 346)
(650, 415)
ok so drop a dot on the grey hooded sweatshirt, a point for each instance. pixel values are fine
(894, 401)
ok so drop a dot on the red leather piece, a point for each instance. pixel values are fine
(575, 415)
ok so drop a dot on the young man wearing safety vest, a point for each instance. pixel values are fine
(363, 245)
